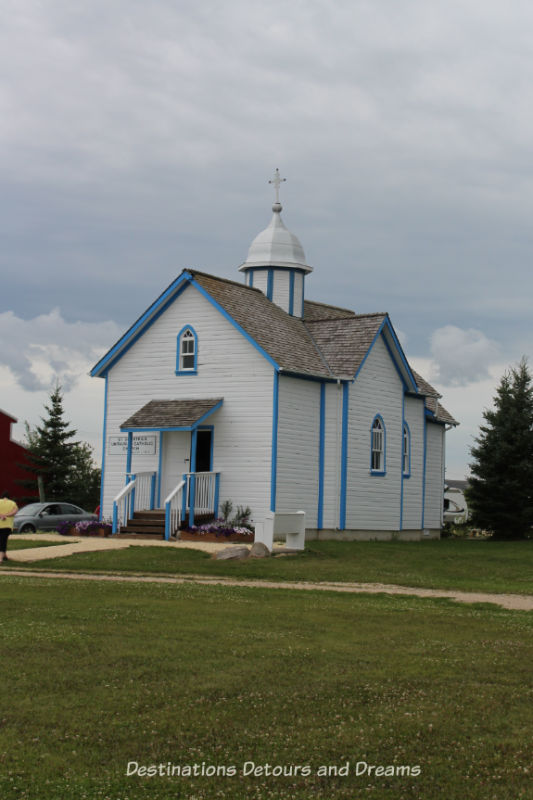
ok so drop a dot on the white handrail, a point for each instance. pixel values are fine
(145, 489)
(174, 492)
(201, 493)
(120, 506)
(138, 494)
(125, 490)
(204, 492)
(173, 505)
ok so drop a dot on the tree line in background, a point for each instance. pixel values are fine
(63, 466)
(500, 493)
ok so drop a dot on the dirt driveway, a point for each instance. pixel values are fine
(514, 602)
(70, 545)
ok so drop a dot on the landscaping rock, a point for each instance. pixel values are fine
(259, 550)
(233, 552)
(286, 551)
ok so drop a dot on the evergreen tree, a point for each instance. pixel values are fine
(84, 488)
(501, 486)
(66, 466)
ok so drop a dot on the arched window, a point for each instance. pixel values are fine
(406, 451)
(187, 355)
(377, 446)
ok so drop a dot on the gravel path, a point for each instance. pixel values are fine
(515, 602)
(70, 545)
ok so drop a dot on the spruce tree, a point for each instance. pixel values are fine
(51, 448)
(501, 485)
(66, 466)
(84, 484)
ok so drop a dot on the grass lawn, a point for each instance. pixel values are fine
(445, 564)
(97, 675)
(21, 544)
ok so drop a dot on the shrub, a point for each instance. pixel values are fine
(242, 516)
(225, 509)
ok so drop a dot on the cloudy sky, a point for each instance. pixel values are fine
(137, 138)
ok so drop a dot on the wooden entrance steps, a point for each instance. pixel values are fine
(151, 524)
(144, 525)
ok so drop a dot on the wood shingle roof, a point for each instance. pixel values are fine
(432, 400)
(314, 311)
(171, 413)
(424, 387)
(345, 342)
(439, 412)
(328, 343)
(283, 337)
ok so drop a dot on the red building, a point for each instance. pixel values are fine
(12, 456)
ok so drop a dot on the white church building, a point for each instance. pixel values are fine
(248, 391)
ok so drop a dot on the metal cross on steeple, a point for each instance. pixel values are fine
(276, 181)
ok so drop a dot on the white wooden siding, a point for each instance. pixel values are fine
(115, 464)
(373, 501)
(332, 455)
(260, 280)
(298, 447)
(434, 476)
(298, 293)
(228, 366)
(281, 290)
(412, 486)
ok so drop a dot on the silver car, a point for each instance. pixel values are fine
(48, 516)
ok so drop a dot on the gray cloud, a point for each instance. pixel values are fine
(461, 357)
(110, 88)
(137, 139)
(42, 350)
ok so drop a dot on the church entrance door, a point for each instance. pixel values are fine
(175, 460)
(204, 451)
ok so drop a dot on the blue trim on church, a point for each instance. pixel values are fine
(344, 455)
(274, 452)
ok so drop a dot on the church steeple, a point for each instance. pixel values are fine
(276, 261)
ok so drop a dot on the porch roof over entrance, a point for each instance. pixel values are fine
(172, 415)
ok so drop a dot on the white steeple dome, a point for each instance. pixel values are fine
(276, 262)
(276, 246)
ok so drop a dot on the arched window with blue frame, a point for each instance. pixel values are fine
(406, 451)
(187, 351)
(377, 446)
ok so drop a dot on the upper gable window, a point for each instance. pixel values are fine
(187, 355)
(406, 451)
(377, 446)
